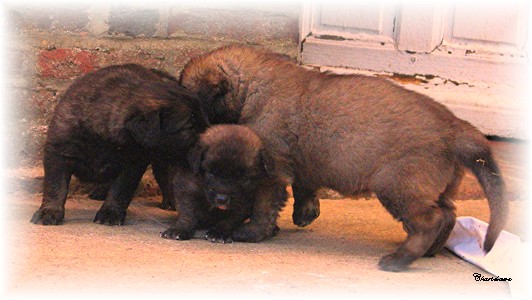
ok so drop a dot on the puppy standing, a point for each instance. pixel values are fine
(352, 134)
(230, 160)
(109, 126)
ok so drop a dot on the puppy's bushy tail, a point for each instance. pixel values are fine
(473, 151)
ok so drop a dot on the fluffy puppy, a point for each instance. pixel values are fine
(353, 134)
(107, 127)
(230, 161)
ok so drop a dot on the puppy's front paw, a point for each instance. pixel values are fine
(253, 234)
(167, 204)
(275, 231)
(48, 216)
(393, 263)
(305, 215)
(217, 236)
(177, 234)
(110, 216)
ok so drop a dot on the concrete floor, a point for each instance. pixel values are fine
(336, 256)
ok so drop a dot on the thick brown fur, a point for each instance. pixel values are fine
(108, 126)
(229, 161)
(353, 134)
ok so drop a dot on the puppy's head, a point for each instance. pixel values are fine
(171, 123)
(216, 77)
(232, 162)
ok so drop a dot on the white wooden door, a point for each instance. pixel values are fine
(470, 55)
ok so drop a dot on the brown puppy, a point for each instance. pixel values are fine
(230, 161)
(353, 134)
(108, 126)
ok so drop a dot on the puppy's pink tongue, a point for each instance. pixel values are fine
(222, 207)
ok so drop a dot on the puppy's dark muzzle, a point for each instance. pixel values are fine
(218, 199)
(221, 199)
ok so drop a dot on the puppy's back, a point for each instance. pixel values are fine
(101, 102)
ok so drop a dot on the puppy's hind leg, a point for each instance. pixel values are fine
(113, 210)
(449, 219)
(161, 171)
(411, 195)
(447, 207)
(422, 227)
(57, 174)
(306, 205)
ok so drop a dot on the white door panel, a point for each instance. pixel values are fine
(480, 45)
(420, 27)
(489, 22)
(356, 17)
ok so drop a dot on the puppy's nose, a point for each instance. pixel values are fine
(221, 199)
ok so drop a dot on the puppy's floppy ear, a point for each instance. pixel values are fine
(267, 162)
(193, 103)
(145, 129)
(223, 87)
(196, 156)
(214, 103)
(212, 92)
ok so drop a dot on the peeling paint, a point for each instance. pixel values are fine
(331, 37)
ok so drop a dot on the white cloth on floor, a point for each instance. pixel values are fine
(507, 259)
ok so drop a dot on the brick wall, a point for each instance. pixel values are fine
(48, 46)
